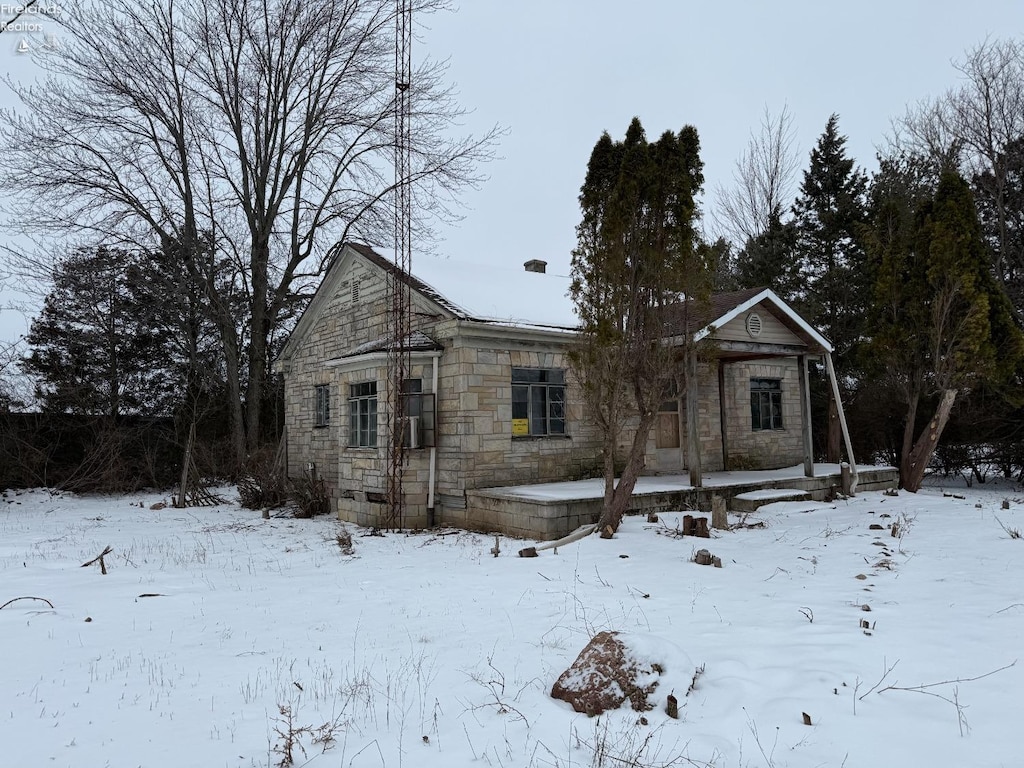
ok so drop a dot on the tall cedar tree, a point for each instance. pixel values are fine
(769, 259)
(941, 324)
(92, 352)
(999, 192)
(636, 256)
(830, 214)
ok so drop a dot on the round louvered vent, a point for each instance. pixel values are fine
(754, 324)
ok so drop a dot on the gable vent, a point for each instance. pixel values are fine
(754, 324)
(355, 291)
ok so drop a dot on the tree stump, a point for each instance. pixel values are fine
(687, 525)
(528, 552)
(719, 513)
(672, 707)
(846, 479)
(702, 528)
(702, 557)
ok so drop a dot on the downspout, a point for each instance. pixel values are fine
(842, 420)
(431, 481)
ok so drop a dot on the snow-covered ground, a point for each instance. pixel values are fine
(425, 650)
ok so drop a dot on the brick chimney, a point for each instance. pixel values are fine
(536, 265)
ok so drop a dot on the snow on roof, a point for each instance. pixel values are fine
(502, 293)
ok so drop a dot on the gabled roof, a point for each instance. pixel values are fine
(728, 306)
(496, 295)
(512, 297)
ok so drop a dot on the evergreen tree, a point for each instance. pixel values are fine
(830, 215)
(768, 260)
(941, 324)
(92, 351)
(999, 192)
(635, 257)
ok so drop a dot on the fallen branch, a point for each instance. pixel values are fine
(954, 699)
(925, 686)
(100, 556)
(580, 533)
(16, 599)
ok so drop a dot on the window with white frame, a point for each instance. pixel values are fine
(538, 402)
(362, 414)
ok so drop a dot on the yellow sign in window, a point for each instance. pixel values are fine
(520, 427)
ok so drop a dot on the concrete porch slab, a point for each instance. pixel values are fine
(551, 510)
(751, 501)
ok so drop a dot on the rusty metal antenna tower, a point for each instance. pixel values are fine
(398, 286)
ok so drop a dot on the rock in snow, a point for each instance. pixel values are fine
(612, 668)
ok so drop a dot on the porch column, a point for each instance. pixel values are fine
(723, 419)
(805, 414)
(842, 420)
(692, 415)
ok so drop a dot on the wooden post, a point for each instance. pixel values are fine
(719, 515)
(805, 415)
(692, 421)
(842, 421)
(672, 707)
(186, 466)
(723, 419)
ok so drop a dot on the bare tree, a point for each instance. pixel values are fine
(243, 138)
(972, 129)
(763, 180)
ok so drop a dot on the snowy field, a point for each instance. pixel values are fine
(212, 625)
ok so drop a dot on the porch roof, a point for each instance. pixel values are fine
(703, 319)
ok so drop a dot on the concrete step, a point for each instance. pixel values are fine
(751, 501)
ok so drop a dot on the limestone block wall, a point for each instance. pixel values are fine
(353, 314)
(763, 449)
(476, 448)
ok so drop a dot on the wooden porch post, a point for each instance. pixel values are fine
(692, 415)
(722, 417)
(805, 415)
(842, 420)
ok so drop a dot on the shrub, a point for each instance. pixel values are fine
(262, 484)
(311, 496)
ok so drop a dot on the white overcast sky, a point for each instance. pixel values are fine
(556, 74)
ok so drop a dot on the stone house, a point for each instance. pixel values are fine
(490, 396)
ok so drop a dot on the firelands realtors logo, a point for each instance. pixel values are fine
(26, 20)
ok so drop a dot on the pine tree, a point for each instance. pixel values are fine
(636, 255)
(830, 215)
(941, 324)
(92, 352)
(769, 260)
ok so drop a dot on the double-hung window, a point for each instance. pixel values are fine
(538, 402)
(765, 404)
(362, 413)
